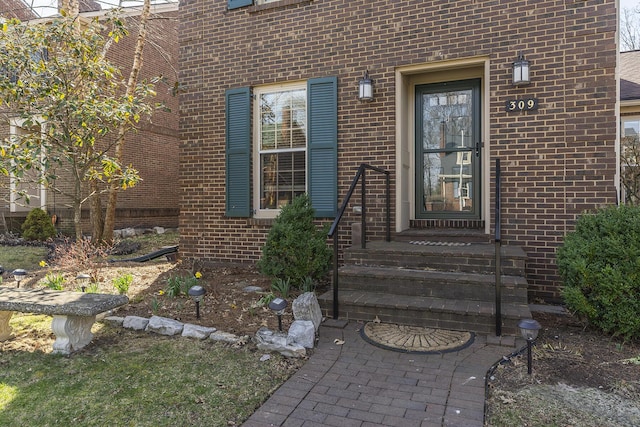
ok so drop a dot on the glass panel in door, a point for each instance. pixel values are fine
(447, 137)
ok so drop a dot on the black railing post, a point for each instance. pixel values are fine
(388, 182)
(335, 274)
(498, 260)
(333, 231)
(363, 204)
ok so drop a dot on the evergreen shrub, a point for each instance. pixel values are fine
(599, 264)
(38, 226)
(295, 247)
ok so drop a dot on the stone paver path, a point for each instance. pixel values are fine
(358, 384)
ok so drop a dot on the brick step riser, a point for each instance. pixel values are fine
(483, 324)
(455, 289)
(405, 237)
(467, 264)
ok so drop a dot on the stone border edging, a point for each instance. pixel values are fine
(300, 337)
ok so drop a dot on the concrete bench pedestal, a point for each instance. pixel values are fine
(74, 313)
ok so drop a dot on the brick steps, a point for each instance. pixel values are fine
(443, 286)
(431, 283)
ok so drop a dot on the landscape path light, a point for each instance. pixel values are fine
(278, 305)
(529, 330)
(83, 279)
(19, 275)
(197, 292)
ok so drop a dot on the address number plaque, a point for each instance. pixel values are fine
(527, 104)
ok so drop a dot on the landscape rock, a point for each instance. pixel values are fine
(114, 320)
(197, 331)
(127, 232)
(224, 337)
(159, 230)
(302, 332)
(269, 340)
(306, 307)
(252, 289)
(136, 323)
(164, 326)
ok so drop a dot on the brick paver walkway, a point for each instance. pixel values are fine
(358, 384)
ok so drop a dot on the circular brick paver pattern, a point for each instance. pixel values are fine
(415, 339)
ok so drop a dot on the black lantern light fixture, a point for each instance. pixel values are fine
(365, 86)
(19, 275)
(278, 305)
(83, 279)
(197, 292)
(521, 71)
(529, 330)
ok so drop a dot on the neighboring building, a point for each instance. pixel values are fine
(16, 9)
(444, 109)
(630, 125)
(153, 149)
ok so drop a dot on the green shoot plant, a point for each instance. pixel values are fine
(122, 283)
(54, 281)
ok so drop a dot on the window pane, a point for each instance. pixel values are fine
(283, 119)
(282, 147)
(283, 178)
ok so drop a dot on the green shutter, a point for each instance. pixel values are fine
(238, 152)
(234, 4)
(322, 146)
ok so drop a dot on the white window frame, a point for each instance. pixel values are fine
(256, 148)
(14, 205)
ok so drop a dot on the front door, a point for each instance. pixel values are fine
(448, 150)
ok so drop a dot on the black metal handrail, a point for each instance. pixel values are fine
(333, 231)
(498, 244)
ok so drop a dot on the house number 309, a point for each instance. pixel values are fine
(522, 104)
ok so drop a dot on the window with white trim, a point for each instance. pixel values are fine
(280, 154)
(28, 192)
(293, 148)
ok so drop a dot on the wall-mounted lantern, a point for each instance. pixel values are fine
(365, 86)
(521, 71)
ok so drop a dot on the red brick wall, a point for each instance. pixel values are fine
(557, 161)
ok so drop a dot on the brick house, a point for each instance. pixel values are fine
(444, 108)
(153, 149)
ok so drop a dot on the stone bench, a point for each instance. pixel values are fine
(74, 313)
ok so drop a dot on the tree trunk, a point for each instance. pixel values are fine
(97, 220)
(112, 200)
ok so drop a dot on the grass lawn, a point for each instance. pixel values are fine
(127, 378)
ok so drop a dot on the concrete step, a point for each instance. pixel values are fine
(454, 256)
(454, 314)
(431, 283)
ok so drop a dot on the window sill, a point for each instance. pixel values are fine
(276, 5)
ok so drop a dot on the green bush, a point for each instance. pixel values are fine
(295, 247)
(600, 266)
(38, 226)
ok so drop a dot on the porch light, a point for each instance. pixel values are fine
(197, 292)
(529, 330)
(521, 71)
(366, 88)
(83, 279)
(19, 275)
(278, 305)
